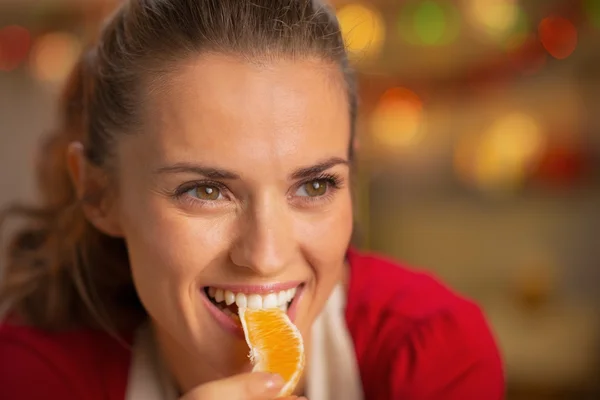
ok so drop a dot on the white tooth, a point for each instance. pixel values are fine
(269, 301)
(219, 297)
(229, 297)
(255, 302)
(282, 298)
(293, 292)
(211, 291)
(240, 300)
(290, 294)
(283, 307)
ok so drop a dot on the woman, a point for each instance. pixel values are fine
(204, 159)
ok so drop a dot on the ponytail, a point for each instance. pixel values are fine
(59, 270)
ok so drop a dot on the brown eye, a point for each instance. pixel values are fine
(314, 188)
(206, 192)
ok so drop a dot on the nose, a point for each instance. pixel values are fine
(265, 243)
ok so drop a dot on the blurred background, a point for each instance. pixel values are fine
(479, 155)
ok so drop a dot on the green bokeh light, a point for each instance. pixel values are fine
(592, 8)
(429, 22)
(519, 32)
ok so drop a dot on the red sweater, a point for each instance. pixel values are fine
(414, 340)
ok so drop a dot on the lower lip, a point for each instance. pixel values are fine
(234, 327)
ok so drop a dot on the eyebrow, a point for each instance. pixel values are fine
(222, 174)
(309, 172)
(209, 172)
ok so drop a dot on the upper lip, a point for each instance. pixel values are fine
(259, 289)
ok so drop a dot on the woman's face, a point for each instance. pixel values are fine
(237, 191)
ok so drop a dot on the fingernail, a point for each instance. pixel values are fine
(274, 381)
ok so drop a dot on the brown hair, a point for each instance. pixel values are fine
(60, 270)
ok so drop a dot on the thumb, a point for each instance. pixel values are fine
(250, 386)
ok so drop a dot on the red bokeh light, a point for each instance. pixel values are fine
(558, 36)
(562, 166)
(15, 42)
(401, 97)
(530, 57)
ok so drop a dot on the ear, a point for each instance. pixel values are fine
(93, 191)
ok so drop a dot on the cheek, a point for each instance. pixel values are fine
(164, 250)
(326, 238)
(169, 240)
(324, 244)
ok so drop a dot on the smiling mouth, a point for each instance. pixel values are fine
(229, 302)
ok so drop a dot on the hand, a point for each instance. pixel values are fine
(251, 386)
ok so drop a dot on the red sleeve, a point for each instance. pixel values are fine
(27, 375)
(415, 339)
(450, 356)
(69, 365)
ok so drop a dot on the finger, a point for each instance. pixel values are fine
(251, 386)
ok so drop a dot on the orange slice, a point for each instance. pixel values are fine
(275, 345)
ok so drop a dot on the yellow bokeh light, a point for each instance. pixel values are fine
(496, 17)
(54, 55)
(363, 29)
(501, 157)
(517, 135)
(395, 129)
(396, 122)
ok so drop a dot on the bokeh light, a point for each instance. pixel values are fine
(363, 29)
(562, 165)
(558, 36)
(395, 122)
(53, 56)
(519, 33)
(526, 58)
(502, 157)
(429, 22)
(15, 42)
(497, 18)
(592, 8)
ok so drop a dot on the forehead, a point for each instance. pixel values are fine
(232, 113)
